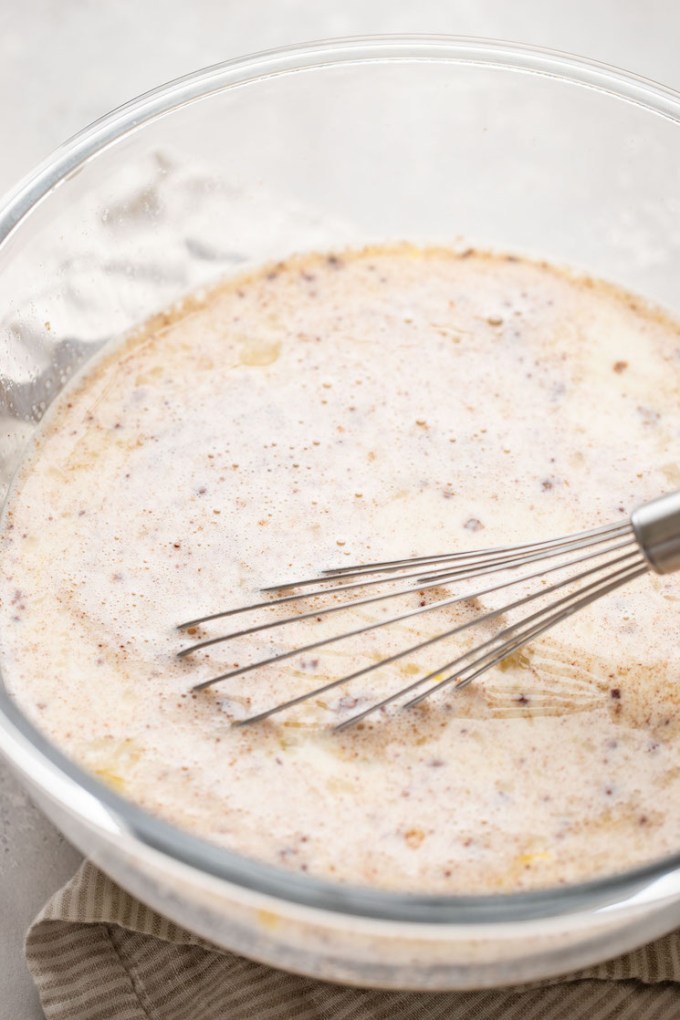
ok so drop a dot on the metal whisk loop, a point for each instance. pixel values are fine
(622, 552)
(484, 562)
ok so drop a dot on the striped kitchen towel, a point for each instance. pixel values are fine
(96, 953)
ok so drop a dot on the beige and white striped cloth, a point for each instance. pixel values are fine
(98, 954)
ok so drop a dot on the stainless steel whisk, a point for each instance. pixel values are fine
(649, 540)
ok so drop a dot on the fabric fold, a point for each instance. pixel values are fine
(97, 953)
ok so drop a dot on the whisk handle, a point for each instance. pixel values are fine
(657, 529)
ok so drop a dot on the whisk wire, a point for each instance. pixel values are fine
(421, 584)
(472, 554)
(621, 552)
(410, 650)
(485, 662)
(597, 589)
(474, 558)
(314, 645)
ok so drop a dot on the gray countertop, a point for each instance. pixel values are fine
(65, 62)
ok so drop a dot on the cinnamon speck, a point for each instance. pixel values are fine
(414, 838)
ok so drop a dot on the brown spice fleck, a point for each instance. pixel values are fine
(414, 837)
(619, 367)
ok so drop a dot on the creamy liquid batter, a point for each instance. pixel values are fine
(337, 409)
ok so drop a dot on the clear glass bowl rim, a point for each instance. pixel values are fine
(121, 814)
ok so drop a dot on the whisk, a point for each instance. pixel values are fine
(648, 540)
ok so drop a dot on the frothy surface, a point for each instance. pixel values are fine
(380, 404)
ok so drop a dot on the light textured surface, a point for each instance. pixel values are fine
(97, 953)
(65, 62)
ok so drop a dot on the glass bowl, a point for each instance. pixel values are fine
(346, 142)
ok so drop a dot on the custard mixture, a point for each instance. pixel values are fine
(336, 409)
